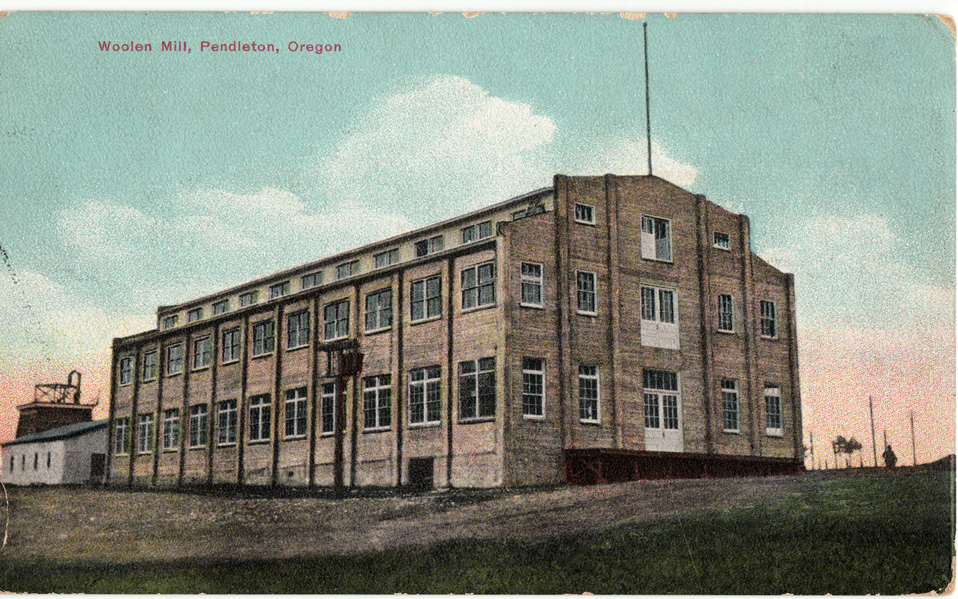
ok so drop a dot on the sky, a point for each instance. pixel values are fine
(130, 180)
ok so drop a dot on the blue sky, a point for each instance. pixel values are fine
(129, 180)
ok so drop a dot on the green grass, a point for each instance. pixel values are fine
(847, 535)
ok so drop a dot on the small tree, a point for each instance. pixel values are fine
(851, 446)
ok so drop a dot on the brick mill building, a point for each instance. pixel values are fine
(604, 328)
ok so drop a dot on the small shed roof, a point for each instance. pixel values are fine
(64, 432)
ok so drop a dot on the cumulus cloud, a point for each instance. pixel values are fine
(851, 270)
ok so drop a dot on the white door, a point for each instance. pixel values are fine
(663, 411)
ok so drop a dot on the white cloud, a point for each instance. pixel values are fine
(850, 270)
(625, 156)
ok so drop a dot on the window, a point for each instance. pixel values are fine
(531, 279)
(264, 338)
(661, 397)
(194, 315)
(347, 270)
(199, 422)
(174, 359)
(202, 352)
(126, 371)
(144, 433)
(249, 298)
(730, 405)
(476, 232)
(48, 460)
(424, 398)
(477, 389)
(533, 387)
(767, 319)
(426, 301)
(150, 367)
(36, 460)
(221, 307)
(379, 310)
(279, 290)
(530, 211)
(296, 413)
(328, 409)
(585, 214)
(226, 422)
(428, 246)
(121, 438)
(726, 313)
(588, 393)
(171, 429)
(311, 280)
(297, 329)
(170, 321)
(659, 327)
(479, 286)
(231, 345)
(336, 317)
(585, 292)
(383, 259)
(259, 418)
(773, 410)
(656, 239)
(722, 241)
(377, 397)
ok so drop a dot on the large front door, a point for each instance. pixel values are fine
(663, 411)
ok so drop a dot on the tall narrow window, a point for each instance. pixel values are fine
(424, 396)
(426, 300)
(773, 410)
(585, 292)
(126, 371)
(531, 279)
(328, 409)
(656, 239)
(726, 313)
(259, 421)
(296, 413)
(199, 424)
(377, 402)
(297, 329)
(730, 405)
(588, 393)
(150, 366)
(226, 422)
(479, 286)
(767, 319)
(171, 429)
(336, 320)
(144, 433)
(477, 389)
(202, 352)
(661, 396)
(533, 387)
(174, 359)
(379, 310)
(231, 345)
(121, 436)
(264, 338)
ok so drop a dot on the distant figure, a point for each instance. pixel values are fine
(890, 458)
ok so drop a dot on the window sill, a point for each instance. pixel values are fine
(197, 448)
(731, 432)
(126, 384)
(378, 331)
(258, 442)
(232, 444)
(331, 339)
(200, 368)
(425, 320)
(533, 417)
(775, 434)
(589, 314)
(658, 260)
(478, 308)
(170, 450)
(767, 338)
(423, 425)
(170, 375)
(297, 348)
(373, 431)
(724, 332)
(477, 420)
(585, 222)
(724, 249)
(295, 438)
(227, 363)
(591, 422)
(533, 306)
(261, 356)
(152, 380)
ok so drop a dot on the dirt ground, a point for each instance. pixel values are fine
(126, 526)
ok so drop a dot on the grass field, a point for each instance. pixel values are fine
(848, 534)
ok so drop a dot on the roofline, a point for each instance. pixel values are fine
(358, 250)
(94, 425)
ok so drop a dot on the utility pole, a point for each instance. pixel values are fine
(871, 410)
(914, 461)
(648, 117)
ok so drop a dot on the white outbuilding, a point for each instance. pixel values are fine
(66, 455)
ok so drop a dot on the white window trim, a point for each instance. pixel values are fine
(540, 280)
(761, 318)
(542, 373)
(776, 391)
(150, 441)
(336, 321)
(169, 361)
(425, 299)
(195, 417)
(193, 365)
(598, 394)
(425, 397)
(301, 343)
(379, 312)
(717, 245)
(378, 389)
(264, 404)
(170, 417)
(718, 312)
(642, 235)
(661, 402)
(323, 396)
(738, 405)
(462, 289)
(575, 213)
(264, 352)
(595, 293)
(299, 400)
(234, 410)
(128, 368)
(156, 365)
(239, 346)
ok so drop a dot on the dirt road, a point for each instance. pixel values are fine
(123, 526)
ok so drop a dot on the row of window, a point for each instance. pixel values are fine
(23, 461)
(388, 257)
(730, 408)
(477, 401)
(768, 326)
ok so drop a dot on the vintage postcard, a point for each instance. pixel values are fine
(477, 303)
